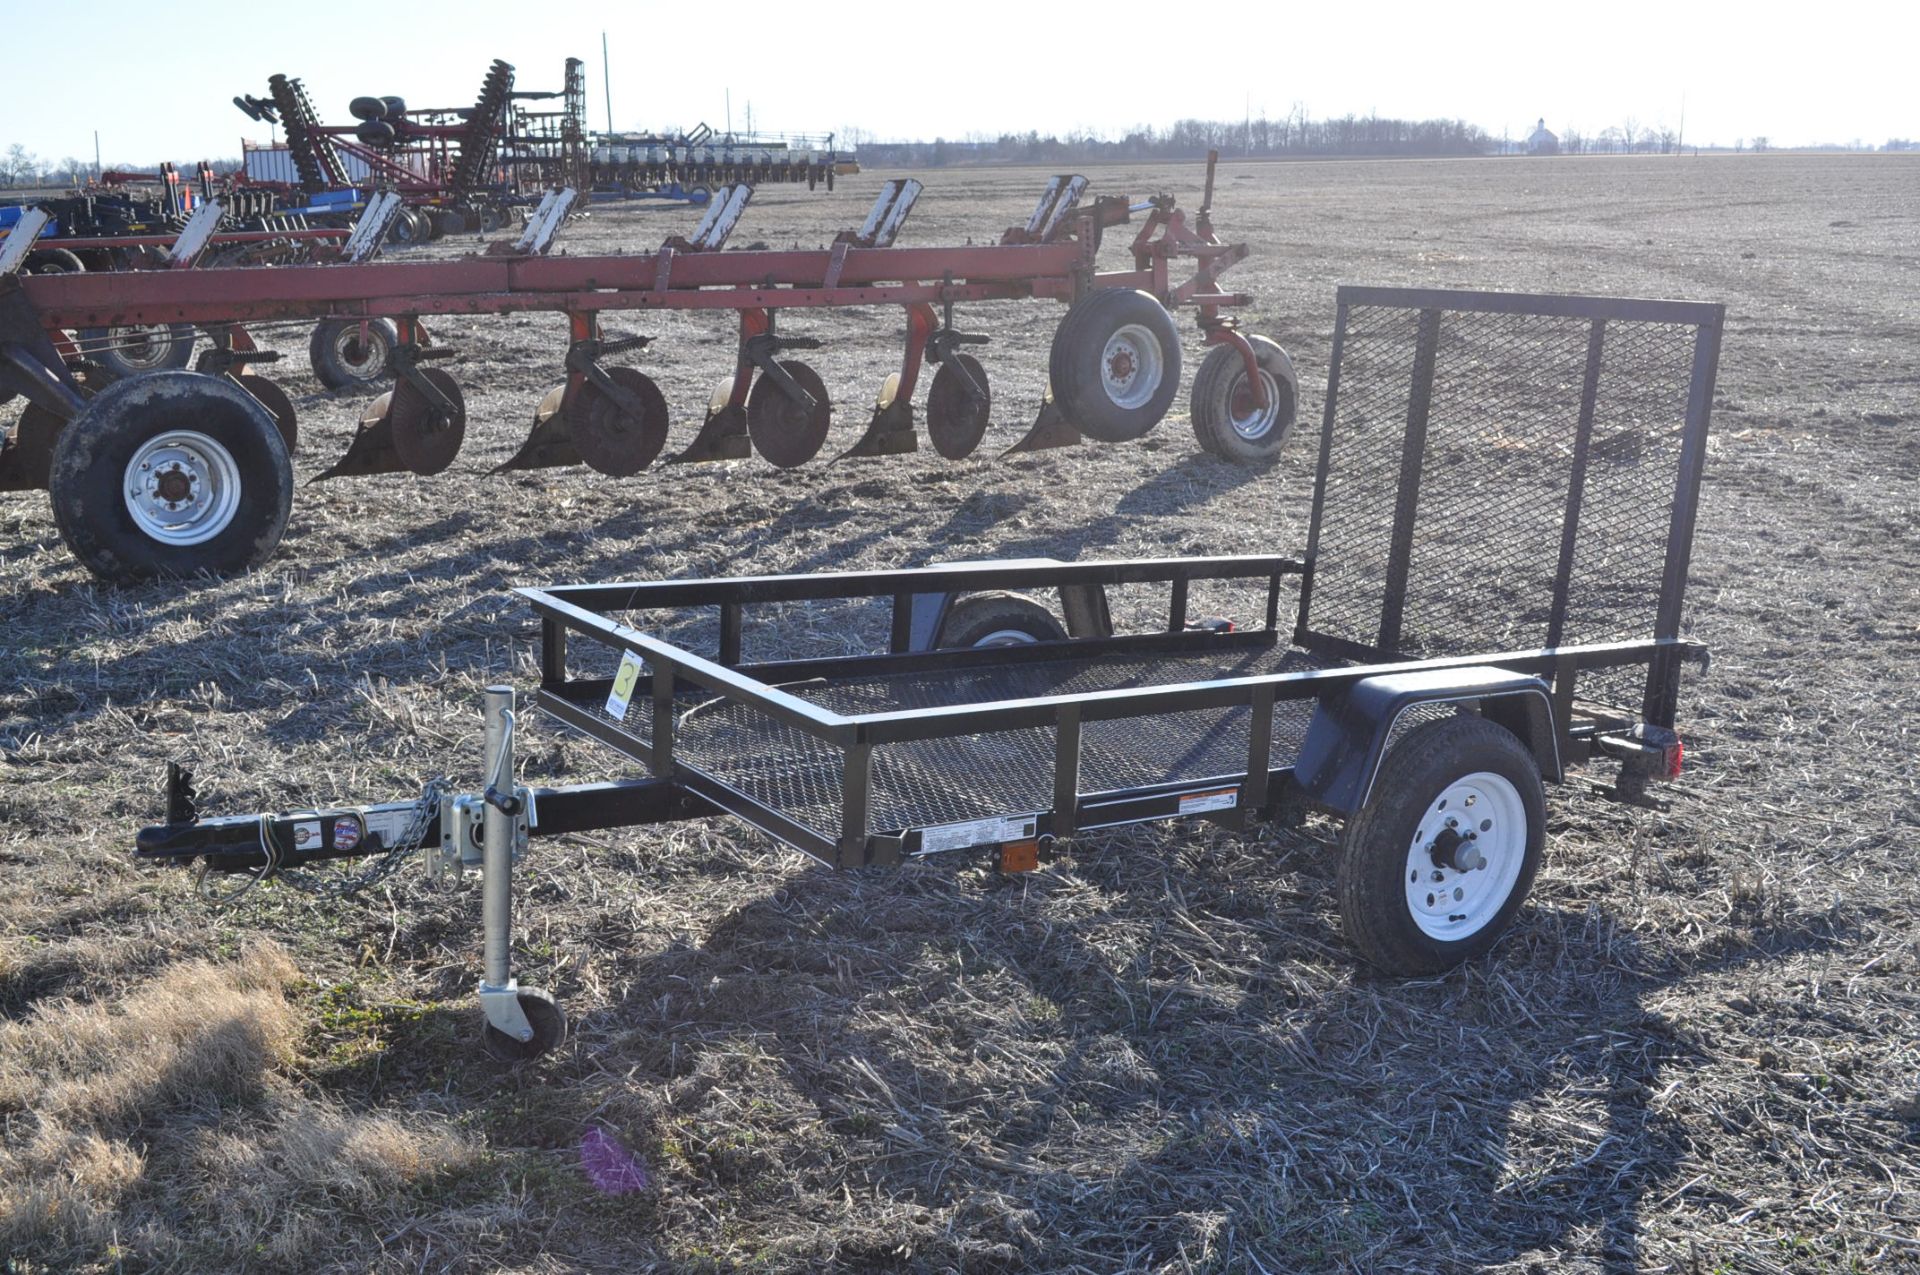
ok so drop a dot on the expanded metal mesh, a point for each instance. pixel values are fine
(976, 776)
(1450, 539)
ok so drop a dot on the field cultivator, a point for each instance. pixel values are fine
(455, 168)
(143, 483)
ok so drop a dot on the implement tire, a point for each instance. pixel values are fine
(172, 474)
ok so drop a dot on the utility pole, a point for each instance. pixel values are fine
(606, 79)
(96, 154)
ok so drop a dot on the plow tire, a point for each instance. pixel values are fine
(340, 361)
(783, 431)
(54, 261)
(136, 351)
(1227, 420)
(1115, 364)
(203, 426)
(609, 440)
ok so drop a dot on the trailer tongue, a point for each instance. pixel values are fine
(1490, 597)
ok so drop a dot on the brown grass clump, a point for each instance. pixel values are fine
(161, 1124)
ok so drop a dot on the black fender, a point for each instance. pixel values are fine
(1351, 728)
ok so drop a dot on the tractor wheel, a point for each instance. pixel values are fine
(341, 358)
(172, 474)
(999, 618)
(133, 351)
(1115, 364)
(1226, 418)
(1437, 864)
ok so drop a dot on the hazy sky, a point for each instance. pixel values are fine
(1832, 73)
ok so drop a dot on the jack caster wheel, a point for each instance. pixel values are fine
(783, 431)
(1227, 418)
(1437, 864)
(1115, 364)
(544, 1015)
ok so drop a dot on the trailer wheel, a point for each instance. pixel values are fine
(341, 358)
(171, 474)
(1115, 364)
(999, 618)
(132, 351)
(1228, 420)
(544, 1015)
(1438, 863)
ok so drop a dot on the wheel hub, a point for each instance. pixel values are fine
(1466, 856)
(1131, 366)
(182, 488)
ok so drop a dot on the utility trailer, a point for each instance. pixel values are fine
(1490, 596)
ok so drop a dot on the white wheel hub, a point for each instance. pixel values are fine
(1131, 366)
(1008, 637)
(182, 487)
(1250, 420)
(1466, 856)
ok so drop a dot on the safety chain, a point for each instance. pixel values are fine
(389, 862)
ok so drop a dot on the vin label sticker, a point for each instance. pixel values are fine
(979, 832)
(623, 683)
(1199, 803)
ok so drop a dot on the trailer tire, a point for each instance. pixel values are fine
(135, 351)
(1226, 420)
(1115, 364)
(340, 359)
(1396, 867)
(544, 1015)
(223, 454)
(999, 618)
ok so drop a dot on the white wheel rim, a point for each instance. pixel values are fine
(1131, 366)
(1008, 637)
(1257, 422)
(366, 359)
(1448, 902)
(182, 488)
(144, 348)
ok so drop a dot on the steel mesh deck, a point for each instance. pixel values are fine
(978, 776)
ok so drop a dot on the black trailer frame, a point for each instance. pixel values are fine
(1525, 467)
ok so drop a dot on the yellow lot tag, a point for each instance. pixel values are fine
(623, 684)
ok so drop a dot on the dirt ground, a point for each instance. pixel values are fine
(1695, 1052)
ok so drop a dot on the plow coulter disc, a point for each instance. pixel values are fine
(26, 455)
(275, 400)
(958, 408)
(423, 437)
(551, 442)
(611, 440)
(783, 431)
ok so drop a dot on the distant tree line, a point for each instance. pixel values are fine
(1294, 135)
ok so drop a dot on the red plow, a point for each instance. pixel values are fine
(220, 499)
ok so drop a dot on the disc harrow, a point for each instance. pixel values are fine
(1114, 369)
